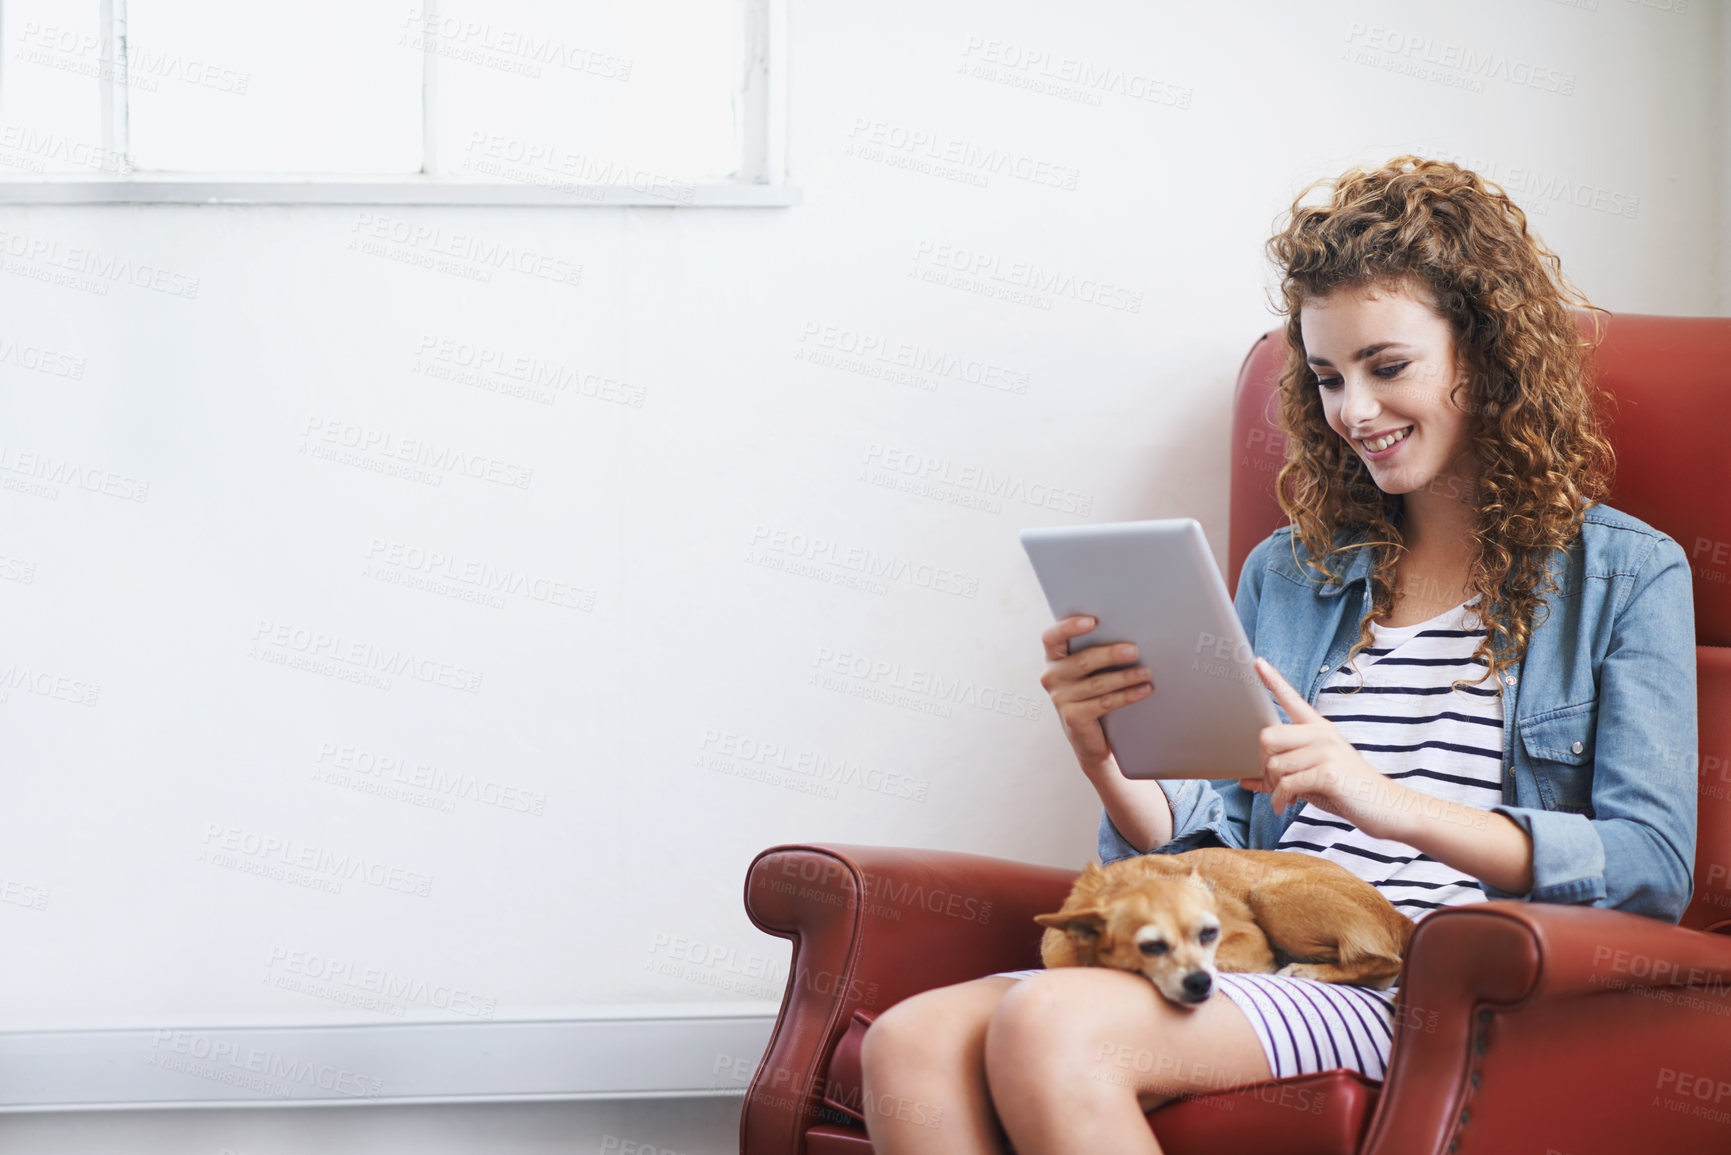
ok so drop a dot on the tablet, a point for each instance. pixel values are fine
(1155, 583)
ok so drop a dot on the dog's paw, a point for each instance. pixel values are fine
(1300, 970)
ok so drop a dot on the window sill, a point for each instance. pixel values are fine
(337, 190)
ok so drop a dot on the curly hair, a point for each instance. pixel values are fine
(1531, 418)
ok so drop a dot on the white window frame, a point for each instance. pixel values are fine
(761, 180)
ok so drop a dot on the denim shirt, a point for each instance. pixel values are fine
(1599, 719)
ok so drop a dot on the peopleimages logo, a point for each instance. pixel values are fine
(31, 150)
(968, 157)
(469, 39)
(61, 687)
(482, 577)
(326, 435)
(911, 355)
(417, 775)
(1069, 76)
(937, 257)
(40, 360)
(1463, 66)
(912, 687)
(769, 544)
(330, 977)
(315, 860)
(317, 644)
(930, 468)
(744, 753)
(46, 473)
(101, 266)
(375, 233)
(530, 371)
(258, 1068)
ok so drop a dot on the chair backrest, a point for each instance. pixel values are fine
(1671, 429)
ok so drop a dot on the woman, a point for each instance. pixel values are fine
(1444, 458)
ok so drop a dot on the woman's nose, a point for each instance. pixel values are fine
(1358, 408)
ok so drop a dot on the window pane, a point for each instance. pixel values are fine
(254, 86)
(50, 97)
(639, 92)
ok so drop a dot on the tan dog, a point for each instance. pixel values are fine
(1180, 918)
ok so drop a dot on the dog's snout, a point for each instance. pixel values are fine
(1197, 984)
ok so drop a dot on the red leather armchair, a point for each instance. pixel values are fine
(1520, 1027)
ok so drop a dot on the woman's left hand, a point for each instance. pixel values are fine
(1309, 760)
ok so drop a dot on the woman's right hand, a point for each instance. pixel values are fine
(1082, 694)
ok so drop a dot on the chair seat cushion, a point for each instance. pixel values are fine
(836, 1141)
(844, 1089)
(1320, 1114)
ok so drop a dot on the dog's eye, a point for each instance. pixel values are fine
(1209, 934)
(1152, 948)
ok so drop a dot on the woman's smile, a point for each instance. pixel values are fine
(1386, 448)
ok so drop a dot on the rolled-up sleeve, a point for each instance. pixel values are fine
(1637, 850)
(1204, 812)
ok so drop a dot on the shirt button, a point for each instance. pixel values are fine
(1324, 669)
(1575, 746)
(1509, 678)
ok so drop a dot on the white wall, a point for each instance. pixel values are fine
(721, 321)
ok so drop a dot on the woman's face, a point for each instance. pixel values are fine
(1384, 363)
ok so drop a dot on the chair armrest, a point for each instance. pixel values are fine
(870, 926)
(1530, 1026)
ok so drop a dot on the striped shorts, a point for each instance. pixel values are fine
(1307, 1026)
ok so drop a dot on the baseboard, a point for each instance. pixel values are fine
(671, 1054)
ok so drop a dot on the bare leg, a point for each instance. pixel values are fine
(1076, 1056)
(925, 1076)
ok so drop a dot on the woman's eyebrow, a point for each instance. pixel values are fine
(1367, 351)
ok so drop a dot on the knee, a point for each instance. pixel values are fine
(1035, 1024)
(900, 1038)
(1055, 1028)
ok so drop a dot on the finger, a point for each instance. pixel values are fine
(1105, 703)
(1290, 700)
(1317, 785)
(1091, 662)
(1276, 766)
(1281, 739)
(1136, 681)
(1255, 785)
(1054, 636)
(1288, 789)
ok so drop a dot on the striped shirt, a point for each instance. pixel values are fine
(1394, 703)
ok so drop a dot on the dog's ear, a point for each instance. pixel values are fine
(1085, 925)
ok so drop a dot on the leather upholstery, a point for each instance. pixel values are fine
(845, 1088)
(1312, 1114)
(1519, 1027)
(1710, 908)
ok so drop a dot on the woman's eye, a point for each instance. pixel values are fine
(1391, 370)
(1327, 382)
